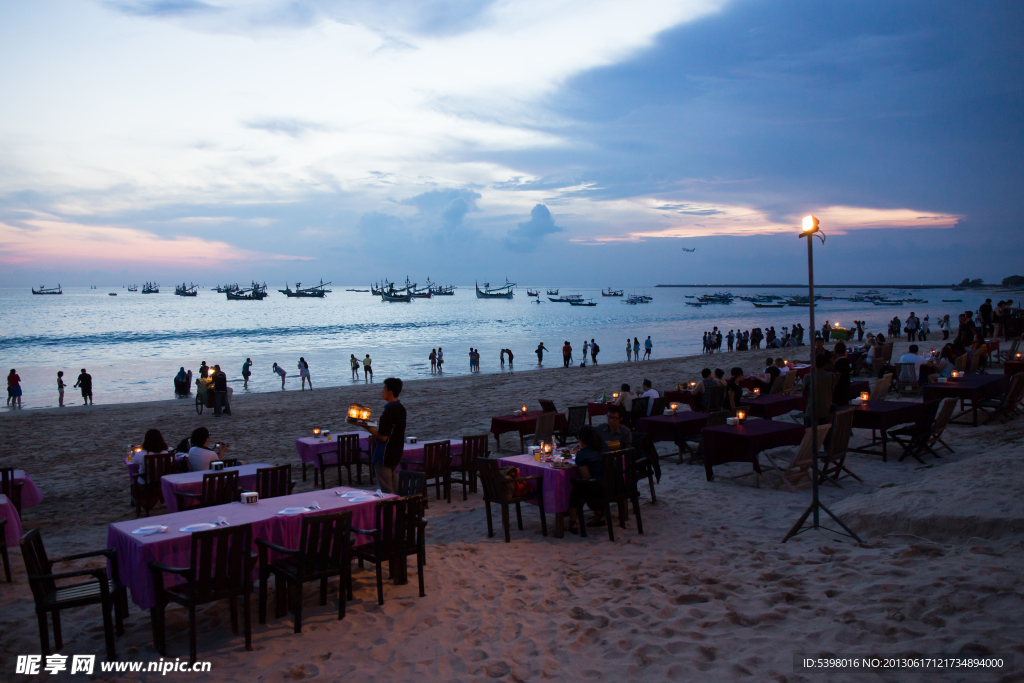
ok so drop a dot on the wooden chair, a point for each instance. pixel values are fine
(547, 405)
(646, 455)
(545, 429)
(716, 397)
(637, 412)
(99, 589)
(833, 464)
(437, 466)
(777, 385)
(11, 488)
(715, 419)
(411, 483)
(3, 549)
(576, 417)
(220, 568)
(881, 388)
(149, 492)
(400, 533)
(473, 447)
(346, 455)
(790, 383)
(887, 352)
(914, 438)
(272, 482)
(1005, 407)
(497, 491)
(658, 406)
(219, 488)
(619, 487)
(323, 553)
(797, 472)
(906, 377)
(975, 363)
(942, 418)
(960, 363)
(1010, 352)
(230, 462)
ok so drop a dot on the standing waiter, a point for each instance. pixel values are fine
(390, 436)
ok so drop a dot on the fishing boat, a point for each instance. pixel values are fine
(111, 293)
(530, 292)
(351, 290)
(314, 292)
(133, 288)
(689, 296)
(588, 302)
(48, 290)
(641, 299)
(502, 292)
(688, 303)
(613, 292)
(255, 292)
(151, 288)
(381, 287)
(224, 289)
(190, 290)
(567, 299)
(879, 302)
(761, 305)
(442, 291)
(420, 293)
(952, 301)
(393, 296)
(552, 292)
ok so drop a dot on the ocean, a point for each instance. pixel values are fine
(133, 343)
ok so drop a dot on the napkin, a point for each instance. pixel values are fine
(315, 506)
(221, 521)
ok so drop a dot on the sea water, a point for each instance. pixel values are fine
(133, 344)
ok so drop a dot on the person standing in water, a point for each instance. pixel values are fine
(440, 358)
(594, 348)
(648, 345)
(629, 350)
(85, 382)
(502, 356)
(509, 352)
(540, 353)
(304, 374)
(246, 372)
(636, 348)
(433, 361)
(280, 371)
(60, 388)
(13, 389)
(586, 347)
(353, 363)
(367, 370)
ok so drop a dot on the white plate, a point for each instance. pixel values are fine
(201, 526)
(147, 530)
(292, 511)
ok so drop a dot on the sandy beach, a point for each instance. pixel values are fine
(707, 593)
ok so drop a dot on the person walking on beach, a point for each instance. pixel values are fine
(586, 347)
(367, 370)
(540, 353)
(944, 326)
(433, 361)
(353, 363)
(566, 354)
(204, 370)
(60, 388)
(220, 392)
(246, 372)
(280, 371)
(594, 350)
(13, 389)
(636, 349)
(926, 327)
(629, 350)
(304, 374)
(913, 322)
(729, 338)
(85, 383)
(648, 346)
(389, 436)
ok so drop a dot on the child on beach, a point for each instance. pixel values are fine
(367, 370)
(636, 348)
(13, 389)
(280, 371)
(629, 350)
(60, 388)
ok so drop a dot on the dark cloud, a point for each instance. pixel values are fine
(528, 235)
(294, 128)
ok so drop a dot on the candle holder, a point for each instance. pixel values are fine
(693, 384)
(358, 413)
(756, 391)
(316, 431)
(741, 415)
(864, 396)
(615, 394)
(1019, 356)
(523, 409)
(547, 448)
(673, 407)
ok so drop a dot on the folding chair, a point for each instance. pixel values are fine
(944, 415)
(797, 472)
(834, 462)
(906, 376)
(881, 388)
(914, 438)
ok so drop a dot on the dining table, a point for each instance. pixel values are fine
(412, 456)
(523, 423)
(309, 446)
(773, 405)
(743, 442)
(269, 522)
(192, 482)
(1012, 367)
(30, 493)
(597, 408)
(557, 484)
(971, 389)
(680, 427)
(882, 416)
(12, 530)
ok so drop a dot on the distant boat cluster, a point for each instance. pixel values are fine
(775, 301)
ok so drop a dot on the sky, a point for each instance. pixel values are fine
(556, 141)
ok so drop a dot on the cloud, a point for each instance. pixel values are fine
(528, 235)
(164, 8)
(293, 128)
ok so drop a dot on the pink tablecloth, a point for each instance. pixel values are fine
(30, 495)
(192, 482)
(557, 483)
(309, 446)
(13, 528)
(134, 553)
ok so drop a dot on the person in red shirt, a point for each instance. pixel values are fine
(13, 389)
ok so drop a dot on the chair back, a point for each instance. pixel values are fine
(945, 413)
(658, 406)
(639, 409)
(619, 474)
(545, 428)
(400, 522)
(474, 448)
(156, 466)
(495, 490)
(348, 449)
(272, 482)
(547, 405)
(798, 468)
(975, 361)
(219, 488)
(960, 363)
(790, 382)
(718, 418)
(576, 418)
(842, 428)
(716, 396)
(881, 388)
(36, 564)
(777, 384)
(887, 352)
(220, 562)
(412, 483)
(906, 372)
(11, 488)
(926, 423)
(437, 457)
(324, 542)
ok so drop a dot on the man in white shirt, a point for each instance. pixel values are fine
(918, 361)
(650, 394)
(199, 456)
(780, 363)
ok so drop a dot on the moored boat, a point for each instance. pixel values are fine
(48, 290)
(612, 292)
(502, 292)
(183, 290)
(314, 292)
(151, 288)
(255, 292)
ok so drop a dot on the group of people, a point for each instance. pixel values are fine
(589, 347)
(436, 360)
(14, 391)
(633, 349)
(742, 340)
(505, 352)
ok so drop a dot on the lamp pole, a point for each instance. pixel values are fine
(810, 230)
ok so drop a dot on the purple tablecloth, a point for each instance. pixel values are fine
(973, 388)
(773, 405)
(676, 428)
(742, 443)
(30, 495)
(134, 553)
(309, 446)
(413, 454)
(13, 528)
(557, 483)
(192, 482)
